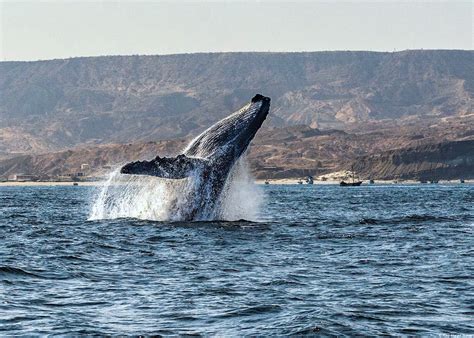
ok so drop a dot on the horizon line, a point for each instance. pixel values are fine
(242, 52)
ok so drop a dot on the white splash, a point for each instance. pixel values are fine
(242, 198)
(153, 198)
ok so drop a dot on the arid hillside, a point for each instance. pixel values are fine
(444, 149)
(59, 104)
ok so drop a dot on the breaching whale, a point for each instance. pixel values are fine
(207, 161)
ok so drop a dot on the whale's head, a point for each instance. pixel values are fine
(230, 137)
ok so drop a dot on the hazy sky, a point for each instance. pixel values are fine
(35, 30)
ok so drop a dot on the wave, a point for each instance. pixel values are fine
(7, 271)
(252, 310)
(417, 218)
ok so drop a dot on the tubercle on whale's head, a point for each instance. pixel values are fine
(231, 136)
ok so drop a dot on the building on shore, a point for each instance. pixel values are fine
(85, 167)
(22, 178)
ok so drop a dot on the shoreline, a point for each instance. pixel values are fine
(293, 181)
(47, 184)
(283, 181)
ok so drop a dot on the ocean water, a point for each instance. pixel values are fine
(370, 260)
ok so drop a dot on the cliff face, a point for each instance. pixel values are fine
(53, 105)
(446, 160)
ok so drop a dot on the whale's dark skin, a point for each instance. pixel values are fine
(208, 159)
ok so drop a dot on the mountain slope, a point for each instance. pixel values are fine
(56, 104)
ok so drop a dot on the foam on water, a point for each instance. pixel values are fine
(158, 199)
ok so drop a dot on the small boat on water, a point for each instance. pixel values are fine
(461, 181)
(350, 184)
(266, 182)
(300, 182)
(353, 183)
(371, 181)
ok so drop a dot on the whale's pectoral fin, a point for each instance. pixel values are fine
(165, 167)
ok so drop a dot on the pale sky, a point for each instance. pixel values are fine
(32, 30)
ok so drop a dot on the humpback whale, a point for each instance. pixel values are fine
(207, 161)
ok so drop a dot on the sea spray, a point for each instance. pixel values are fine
(121, 196)
(241, 198)
(158, 199)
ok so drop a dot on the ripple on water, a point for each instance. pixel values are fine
(322, 260)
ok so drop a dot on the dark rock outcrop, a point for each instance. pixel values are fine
(445, 160)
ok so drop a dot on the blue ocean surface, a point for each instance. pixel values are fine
(369, 260)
